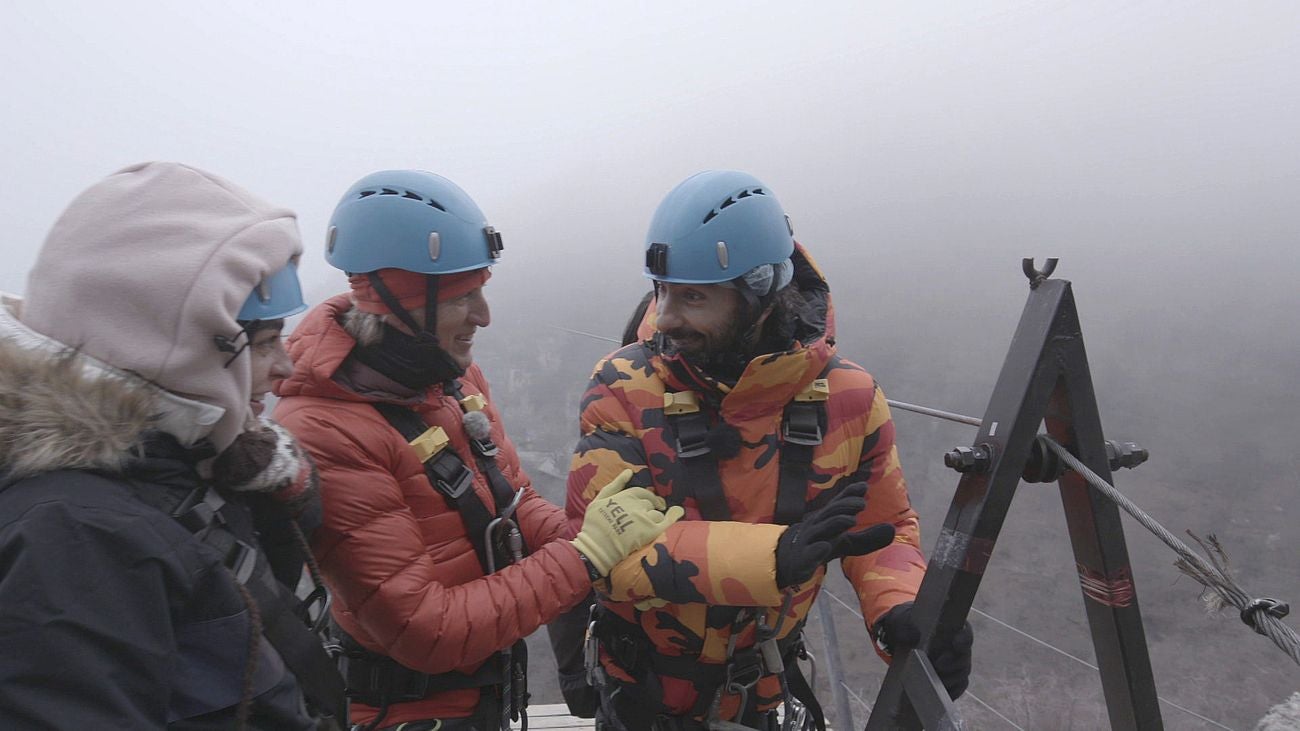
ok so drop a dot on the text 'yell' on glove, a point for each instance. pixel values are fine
(820, 537)
(949, 653)
(621, 520)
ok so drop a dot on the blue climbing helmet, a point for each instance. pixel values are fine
(714, 227)
(276, 297)
(411, 220)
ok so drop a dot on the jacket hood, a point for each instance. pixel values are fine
(61, 409)
(145, 269)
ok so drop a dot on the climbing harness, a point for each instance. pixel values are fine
(380, 681)
(287, 623)
(803, 425)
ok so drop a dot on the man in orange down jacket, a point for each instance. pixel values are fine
(441, 556)
(735, 406)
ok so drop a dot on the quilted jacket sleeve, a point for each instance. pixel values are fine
(893, 574)
(710, 562)
(419, 611)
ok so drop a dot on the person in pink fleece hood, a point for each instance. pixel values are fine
(151, 522)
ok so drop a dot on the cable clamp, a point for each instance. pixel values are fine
(1271, 607)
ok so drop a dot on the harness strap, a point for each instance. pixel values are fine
(485, 451)
(203, 512)
(802, 428)
(383, 679)
(375, 679)
(803, 692)
(690, 427)
(627, 645)
(449, 476)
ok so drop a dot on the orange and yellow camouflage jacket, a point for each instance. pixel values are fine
(698, 564)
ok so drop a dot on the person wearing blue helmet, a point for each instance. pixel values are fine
(730, 400)
(153, 524)
(441, 554)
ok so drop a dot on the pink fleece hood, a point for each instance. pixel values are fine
(144, 269)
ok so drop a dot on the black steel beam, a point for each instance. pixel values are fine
(1100, 550)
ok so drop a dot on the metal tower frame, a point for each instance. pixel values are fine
(1045, 378)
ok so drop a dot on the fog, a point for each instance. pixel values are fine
(920, 149)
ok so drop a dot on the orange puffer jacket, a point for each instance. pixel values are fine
(406, 580)
(668, 589)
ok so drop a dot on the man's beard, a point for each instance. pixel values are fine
(722, 356)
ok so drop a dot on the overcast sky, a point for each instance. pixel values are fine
(967, 129)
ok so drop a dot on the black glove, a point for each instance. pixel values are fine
(949, 653)
(820, 537)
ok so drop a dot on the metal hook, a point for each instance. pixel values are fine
(1036, 276)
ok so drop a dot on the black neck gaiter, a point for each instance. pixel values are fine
(416, 362)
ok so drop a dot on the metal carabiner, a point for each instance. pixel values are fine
(514, 537)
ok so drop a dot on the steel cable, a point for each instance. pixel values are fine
(1213, 576)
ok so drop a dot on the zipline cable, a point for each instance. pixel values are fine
(1264, 615)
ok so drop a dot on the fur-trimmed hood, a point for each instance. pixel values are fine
(62, 409)
(147, 271)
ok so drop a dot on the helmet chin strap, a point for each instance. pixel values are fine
(395, 307)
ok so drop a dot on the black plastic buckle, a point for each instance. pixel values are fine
(484, 447)
(694, 447)
(656, 259)
(692, 432)
(459, 483)
(801, 425)
(193, 513)
(241, 561)
(495, 245)
(451, 476)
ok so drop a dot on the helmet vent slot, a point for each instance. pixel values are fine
(731, 200)
(388, 191)
(412, 196)
(436, 204)
(366, 193)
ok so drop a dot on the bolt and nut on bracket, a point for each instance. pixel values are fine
(1042, 465)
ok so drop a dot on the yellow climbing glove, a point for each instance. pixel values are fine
(620, 520)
